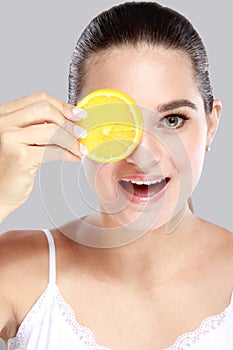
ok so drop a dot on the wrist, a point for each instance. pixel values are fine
(5, 211)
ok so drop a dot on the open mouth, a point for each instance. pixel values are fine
(144, 189)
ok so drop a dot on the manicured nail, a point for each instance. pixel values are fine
(83, 149)
(79, 132)
(78, 113)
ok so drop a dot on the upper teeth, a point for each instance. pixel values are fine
(150, 182)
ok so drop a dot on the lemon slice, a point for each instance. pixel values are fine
(113, 124)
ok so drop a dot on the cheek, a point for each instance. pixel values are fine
(99, 176)
(195, 147)
(197, 155)
(186, 152)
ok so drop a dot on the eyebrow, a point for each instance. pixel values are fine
(176, 104)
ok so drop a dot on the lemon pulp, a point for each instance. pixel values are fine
(113, 124)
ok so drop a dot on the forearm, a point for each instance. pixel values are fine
(5, 211)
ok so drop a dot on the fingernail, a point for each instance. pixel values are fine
(83, 149)
(78, 113)
(79, 132)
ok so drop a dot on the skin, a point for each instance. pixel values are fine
(165, 76)
(158, 271)
(34, 129)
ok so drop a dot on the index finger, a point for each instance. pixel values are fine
(12, 106)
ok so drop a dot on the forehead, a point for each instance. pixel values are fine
(144, 73)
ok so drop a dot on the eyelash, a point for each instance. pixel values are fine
(181, 116)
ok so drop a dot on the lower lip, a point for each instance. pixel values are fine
(143, 200)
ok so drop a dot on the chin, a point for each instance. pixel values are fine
(140, 217)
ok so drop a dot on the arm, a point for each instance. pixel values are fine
(5, 211)
(7, 317)
(28, 127)
(23, 276)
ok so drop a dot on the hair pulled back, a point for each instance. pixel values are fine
(132, 24)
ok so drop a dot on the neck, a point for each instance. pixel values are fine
(156, 254)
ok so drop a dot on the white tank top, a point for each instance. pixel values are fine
(51, 324)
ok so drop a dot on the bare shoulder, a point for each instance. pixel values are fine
(23, 264)
(23, 258)
(218, 240)
(220, 231)
(19, 247)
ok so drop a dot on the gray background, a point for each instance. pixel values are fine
(37, 39)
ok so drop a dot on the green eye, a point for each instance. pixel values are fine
(172, 120)
(175, 121)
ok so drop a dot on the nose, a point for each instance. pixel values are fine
(147, 153)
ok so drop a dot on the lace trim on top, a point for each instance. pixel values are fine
(84, 334)
(209, 324)
(183, 342)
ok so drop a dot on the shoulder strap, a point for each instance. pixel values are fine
(52, 256)
(231, 302)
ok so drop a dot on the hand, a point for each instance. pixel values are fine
(28, 126)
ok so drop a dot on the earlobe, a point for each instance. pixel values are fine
(213, 120)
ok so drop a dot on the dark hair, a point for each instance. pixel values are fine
(131, 24)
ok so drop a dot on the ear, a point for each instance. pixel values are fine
(213, 120)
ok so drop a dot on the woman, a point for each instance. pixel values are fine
(152, 289)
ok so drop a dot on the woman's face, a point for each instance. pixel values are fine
(176, 132)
